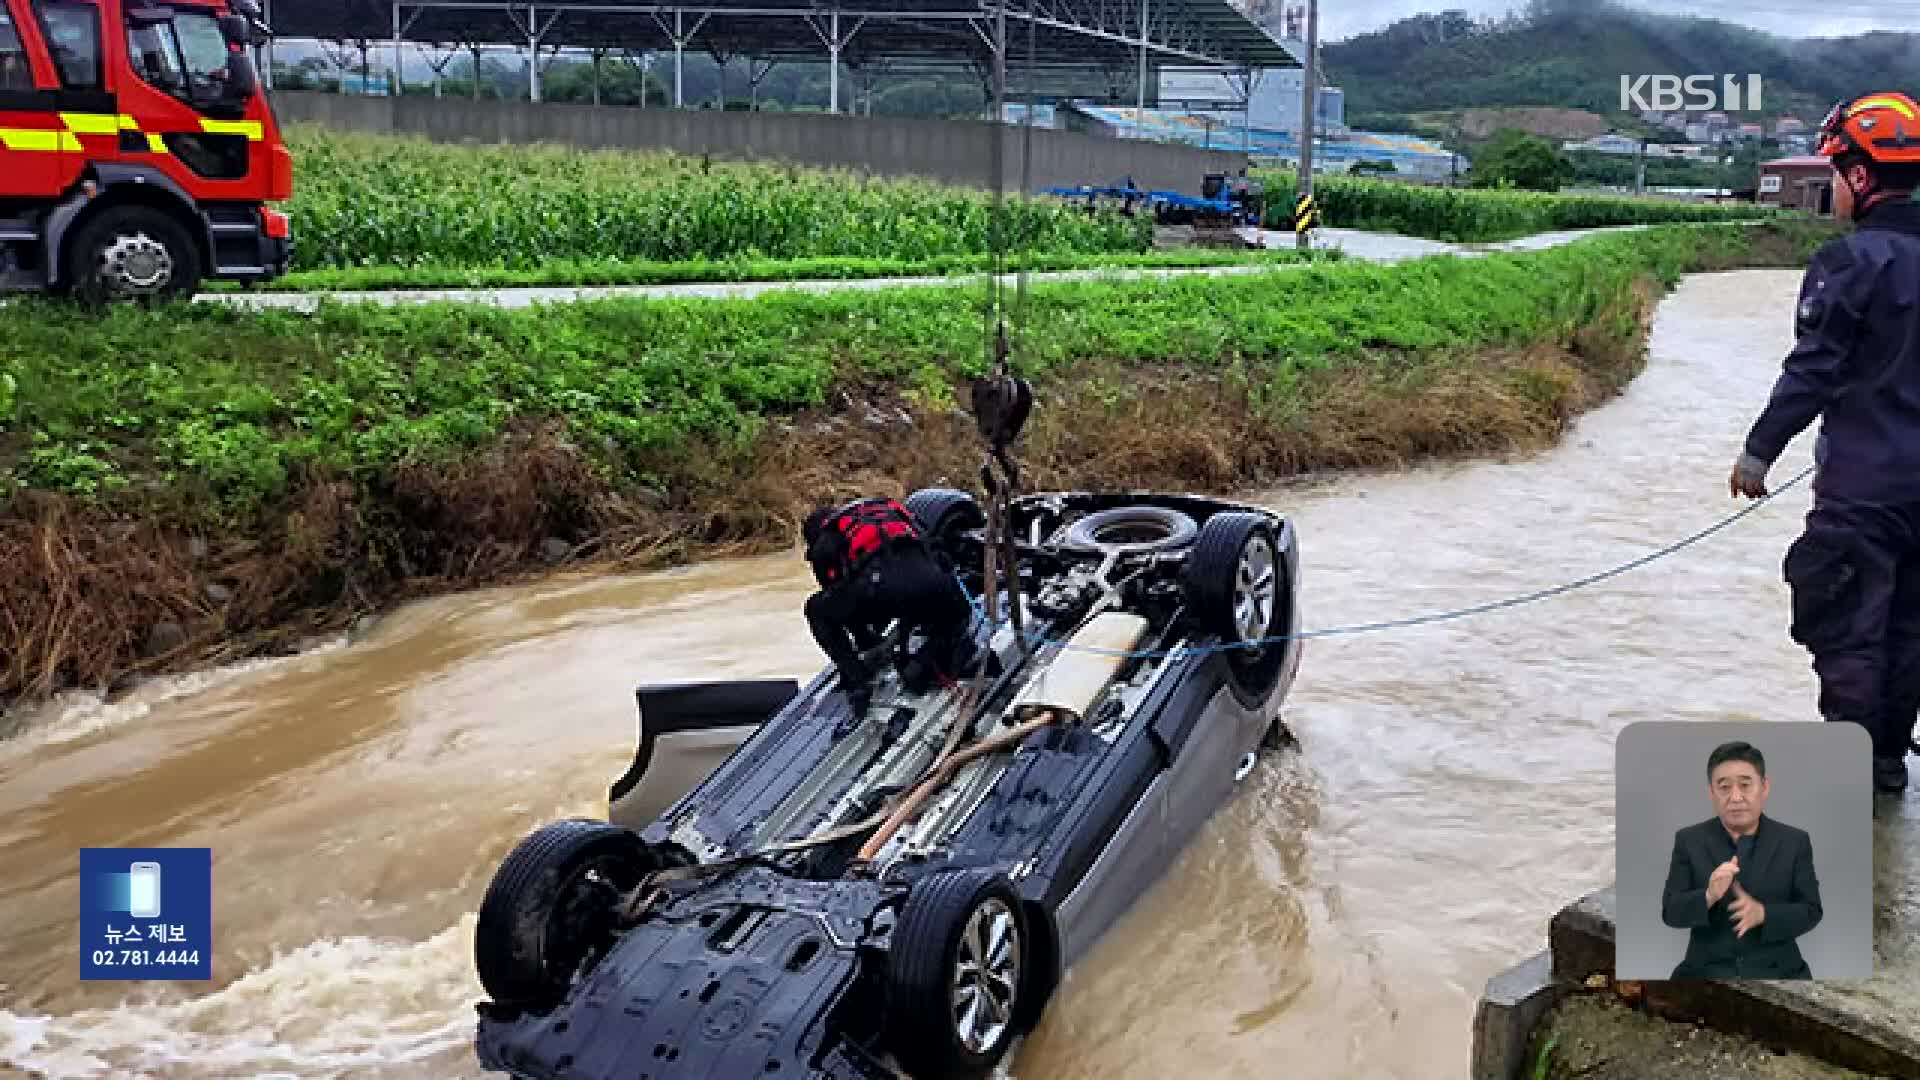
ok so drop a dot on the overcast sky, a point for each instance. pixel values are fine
(1344, 18)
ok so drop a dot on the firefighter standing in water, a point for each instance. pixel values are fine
(1854, 573)
(873, 567)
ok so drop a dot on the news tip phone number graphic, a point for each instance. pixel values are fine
(143, 958)
(146, 913)
(158, 933)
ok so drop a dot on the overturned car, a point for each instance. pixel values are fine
(902, 893)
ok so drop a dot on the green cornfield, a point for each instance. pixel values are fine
(1468, 215)
(377, 200)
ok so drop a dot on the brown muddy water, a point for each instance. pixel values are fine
(1452, 786)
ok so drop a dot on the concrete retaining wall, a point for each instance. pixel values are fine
(1862, 1025)
(948, 150)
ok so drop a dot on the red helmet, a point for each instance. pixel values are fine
(1885, 128)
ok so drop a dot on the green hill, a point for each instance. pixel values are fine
(1571, 54)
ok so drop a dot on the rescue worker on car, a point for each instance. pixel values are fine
(874, 567)
(1854, 572)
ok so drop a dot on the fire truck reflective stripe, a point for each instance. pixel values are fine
(42, 141)
(91, 123)
(110, 124)
(250, 128)
(1883, 103)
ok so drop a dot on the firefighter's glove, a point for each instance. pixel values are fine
(1749, 477)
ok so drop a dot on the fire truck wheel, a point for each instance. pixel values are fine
(133, 253)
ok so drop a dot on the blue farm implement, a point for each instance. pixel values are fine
(1224, 202)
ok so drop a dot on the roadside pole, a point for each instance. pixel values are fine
(1303, 210)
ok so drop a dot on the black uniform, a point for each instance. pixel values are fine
(1776, 868)
(903, 580)
(1855, 571)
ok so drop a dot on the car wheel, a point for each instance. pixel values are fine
(133, 253)
(955, 973)
(944, 513)
(1131, 529)
(1233, 582)
(549, 910)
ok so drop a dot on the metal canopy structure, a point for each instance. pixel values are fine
(1066, 35)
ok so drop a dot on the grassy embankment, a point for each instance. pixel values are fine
(385, 212)
(1471, 216)
(194, 484)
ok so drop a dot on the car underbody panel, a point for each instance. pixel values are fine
(833, 873)
(717, 990)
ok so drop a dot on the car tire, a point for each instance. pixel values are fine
(955, 973)
(1235, 585)
(1131, 528)
(943, 514)
(549, 909)
(133, 253)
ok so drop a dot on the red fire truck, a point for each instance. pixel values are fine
(138, 153)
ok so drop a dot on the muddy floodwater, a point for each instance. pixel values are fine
(1451, 788)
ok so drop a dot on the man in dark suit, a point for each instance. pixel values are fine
(1741, 883)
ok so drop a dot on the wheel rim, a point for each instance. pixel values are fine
(1254, 584)
(985, 975)
(135, 264)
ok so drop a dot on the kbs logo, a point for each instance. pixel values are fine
(1694, 93)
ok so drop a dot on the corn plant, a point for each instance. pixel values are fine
(365, 200)
(1468, 215)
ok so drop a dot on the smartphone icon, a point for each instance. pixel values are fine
(143, 893)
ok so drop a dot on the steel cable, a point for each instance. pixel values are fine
(1440, 616)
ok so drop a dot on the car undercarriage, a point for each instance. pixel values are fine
(845, 897)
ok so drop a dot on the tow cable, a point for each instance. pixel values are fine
(1450, 615)
(950, 759)
(1001, 406)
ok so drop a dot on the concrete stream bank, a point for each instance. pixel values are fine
(1601, 1027)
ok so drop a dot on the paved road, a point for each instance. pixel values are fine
(1373, 247)
(1391, 248)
